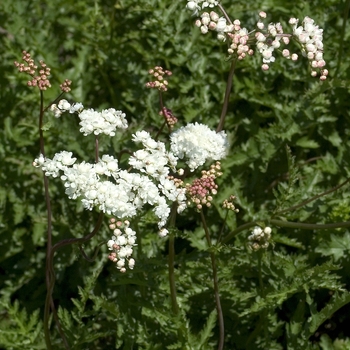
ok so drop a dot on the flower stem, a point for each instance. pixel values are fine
(313, 198)
(171, 262)
(216, 285)
(227, 96)
(289, 224)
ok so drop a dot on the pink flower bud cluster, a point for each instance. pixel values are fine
(259, 239)
(121, 244)
(170, 119)
(239, 41)
(65, 86)
(200, 191)
(267, 38)
(310, 37)
(159, 82)
(212, 21)
(228, 204)
(41, 79)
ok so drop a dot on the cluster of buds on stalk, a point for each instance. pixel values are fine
(169, 117)
(39, 78)
(200, 191)
(259, 239)
(228, 204)
(121, 244)
(266, 38)
(159, 82)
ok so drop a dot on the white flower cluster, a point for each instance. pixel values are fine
(310, 36)
(212, 21)
(91, 121)
(267, 38)
(197, 5)
(198, 143)
(260, 238)
(121, 245)
(121, 193)
(267, 42)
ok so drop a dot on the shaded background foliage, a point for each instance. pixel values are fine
(106, 48)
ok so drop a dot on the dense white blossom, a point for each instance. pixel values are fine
(310, 37)
(197, 143)
(104, 122)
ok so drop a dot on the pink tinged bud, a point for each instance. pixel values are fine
(260, 25)
(321, 63)
(243, 41)
(221, 37)
(323, 77)
(191, 5)
(324, 72)
(204, 29)
(319, 44)
(294, 57)
(310, 47)
(212, 25)
(310, 55)
(260, 37)
(318, 56)
(267, 54)
(230, 51)
(221, 26)
(265, 67)
(285, 53)
(276, 44)
(285, 40)
(205, 21)
(237, 22)
(293, 21)
(251, 52)
(313, 73)
(262, 14)
(214, 16)
(131, 263)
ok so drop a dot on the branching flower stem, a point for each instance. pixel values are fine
(216, 285)
(224, 13)
(313, 198)
(49, 301)
(289, 224)
(227, 96)
(171, 262)
(50, 273)
(50, 250)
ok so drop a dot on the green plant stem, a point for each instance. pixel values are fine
(262, 292)
(225, 13)
(342, 37)
(216, 285)
(289, 224)
(300, 225)
(50, 276)
(171, 261)
(227, 96)
(313, 198)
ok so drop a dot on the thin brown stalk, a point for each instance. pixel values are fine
(227, 96)
(171, 262)
(216, 285)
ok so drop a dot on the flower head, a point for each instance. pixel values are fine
(198, 143)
